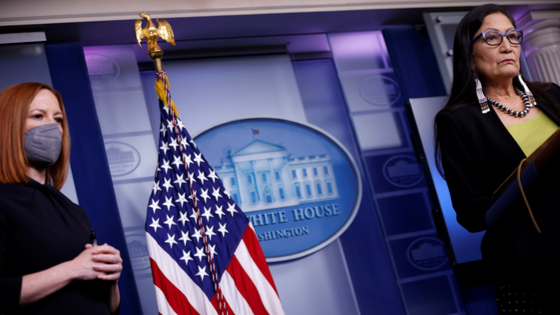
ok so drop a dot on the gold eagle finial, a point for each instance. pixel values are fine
(151, 33)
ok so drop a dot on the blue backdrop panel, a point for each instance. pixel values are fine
(414, 62)
(90, 168)
(404, 213)
(419, 255)
(394, 172)
(416, 67)
(436, 290)
(364, 246)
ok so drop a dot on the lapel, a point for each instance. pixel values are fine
(503, 136)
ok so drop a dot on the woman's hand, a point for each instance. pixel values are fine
(100, 262)
(105, 263)
(107, 260)
(83, 266)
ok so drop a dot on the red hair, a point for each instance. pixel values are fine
(14, 108)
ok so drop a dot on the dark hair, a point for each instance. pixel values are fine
(463, 89)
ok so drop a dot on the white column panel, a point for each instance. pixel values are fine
(542, 49)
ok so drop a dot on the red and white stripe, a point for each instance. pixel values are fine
(247, 283)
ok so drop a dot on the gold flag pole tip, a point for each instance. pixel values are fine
(151, 33)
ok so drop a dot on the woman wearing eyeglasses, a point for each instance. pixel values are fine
(493, 120)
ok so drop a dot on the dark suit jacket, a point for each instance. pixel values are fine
(478, 153)
(40, 228)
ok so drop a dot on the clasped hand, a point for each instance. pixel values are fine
(98, 262)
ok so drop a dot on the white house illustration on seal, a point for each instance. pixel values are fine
(263, 176)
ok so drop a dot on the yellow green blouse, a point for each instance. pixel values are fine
(531, 133)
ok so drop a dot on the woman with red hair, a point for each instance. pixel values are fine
(48, 261)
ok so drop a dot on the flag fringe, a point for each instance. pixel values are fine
(160, 89)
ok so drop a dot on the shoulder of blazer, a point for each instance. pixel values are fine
(551, 110)
(471, 117)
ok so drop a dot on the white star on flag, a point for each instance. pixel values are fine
(207, 213)
(200, 253)
(164, 147)
(183, 218)
(184, 237)
(169, 222)
(188, 159)
(171, 240)
(198, 159)
(231, 209)
(213, 251)
(201, 177)
(168, 203)
(173, 144)
(166, 166)
(177, 161)
(227, 193)
(155, 224)
(186, 257)
(181, 199)
(222, 229)
(179, 180)
(210, 232)
(213, 176)
(184, 143)
(154, 205)
(201, 273)
(197, 235)
(180, 125)
(216, 193)
(167, 185)
(219, 211)
(194, 217)
(204, 194)
(156, 188)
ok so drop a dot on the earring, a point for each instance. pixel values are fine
(530, 96)
(481, 97)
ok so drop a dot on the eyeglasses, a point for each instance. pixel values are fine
(495, 38)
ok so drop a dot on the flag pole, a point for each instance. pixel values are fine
(152, 33)
(180, 289)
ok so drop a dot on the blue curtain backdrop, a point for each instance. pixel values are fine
(90, 168)
(365, 249)
(414, 62)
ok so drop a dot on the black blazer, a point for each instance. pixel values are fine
(40, 228)
(478, 153)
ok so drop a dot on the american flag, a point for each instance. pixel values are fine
(204, 253)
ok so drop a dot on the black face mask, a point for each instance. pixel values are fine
(42, 145)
